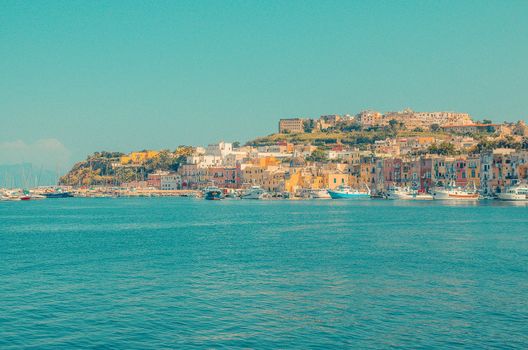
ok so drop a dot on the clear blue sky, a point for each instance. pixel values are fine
(82, 76)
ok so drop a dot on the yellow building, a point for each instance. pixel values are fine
(137, 157)
(252, 175)
(298, 179)
(292, 182)
(266, 162)
(333, 180)
(273, 181)
(425, 140)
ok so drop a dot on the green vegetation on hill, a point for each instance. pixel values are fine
(359, 138)
(96, 169)
(104, 168)
(506, 142)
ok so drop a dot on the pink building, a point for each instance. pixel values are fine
(225, 177)
(154, 179)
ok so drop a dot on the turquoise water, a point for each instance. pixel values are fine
(183, 273)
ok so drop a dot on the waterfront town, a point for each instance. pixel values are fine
(369, 152)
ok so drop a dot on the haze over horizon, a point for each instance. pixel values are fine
(80, 77)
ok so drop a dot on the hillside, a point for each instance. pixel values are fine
(105, 168)
(359, 138)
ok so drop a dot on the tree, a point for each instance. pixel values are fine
(395, 125)
(351, 127)
(524, 143)
(444, 149)
(487, 121)
(236, 144)
(318, 155)
(435, 127)
(418, 129)
(308, 125)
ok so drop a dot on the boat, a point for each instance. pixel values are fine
(14, 195)
(213, 193)
(516, 193)
(398, 193)
(319, 194)
(57, 194)
(254, 192)
(232, 195)
(35, 196)
(401, 193)
(5, 197)
(452, 192)
(346, 192)
(422, 196)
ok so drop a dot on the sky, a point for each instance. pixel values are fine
(83, 76)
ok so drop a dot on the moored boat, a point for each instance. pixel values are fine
(35, 196)
(213, 193)
(515, 193)
(319, 194)
(455, 193)
(399, 193)
(346, 192)
(254, 192)
(57, 194)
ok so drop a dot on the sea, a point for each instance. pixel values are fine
(184, 273)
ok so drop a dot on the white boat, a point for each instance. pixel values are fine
(517, 193)
(255, 192)
(452, 192)
(399, 193)
(319, 194)
(36, 196)
(12, 196)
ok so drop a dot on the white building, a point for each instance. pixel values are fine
(221, 149)
(205, 161)
(171, 182)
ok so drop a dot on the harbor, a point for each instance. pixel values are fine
(518, 192)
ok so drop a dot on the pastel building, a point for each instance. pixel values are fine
(170, 182)
(293, 125)
(137, 157)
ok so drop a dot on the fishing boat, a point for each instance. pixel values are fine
(453, 192)
(404, 193)
(254, 192)
(213, 193)
(515, 193)
(347, 192)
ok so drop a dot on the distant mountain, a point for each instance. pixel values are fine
(25, 176)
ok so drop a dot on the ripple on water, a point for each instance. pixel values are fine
(170, 273)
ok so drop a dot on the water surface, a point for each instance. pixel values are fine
(151, 273)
